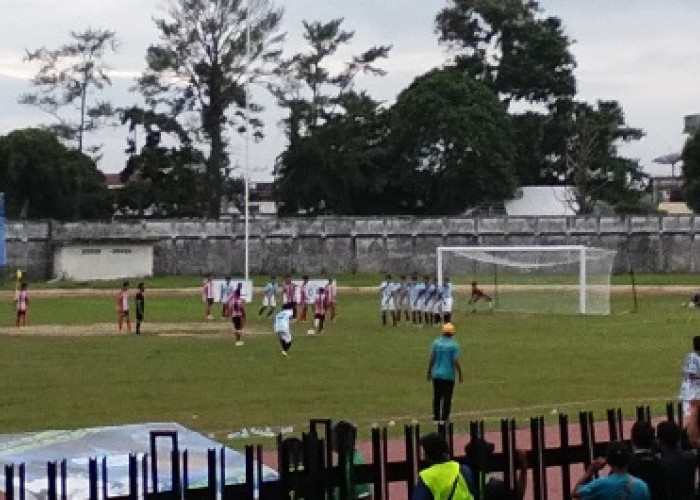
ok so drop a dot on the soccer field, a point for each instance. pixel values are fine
(186, 369)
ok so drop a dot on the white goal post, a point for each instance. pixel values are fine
(565, 279)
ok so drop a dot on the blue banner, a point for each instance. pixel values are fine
(3, 254)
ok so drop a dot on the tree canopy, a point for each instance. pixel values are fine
(200, 73)
(501, 112)
(332, 163)
(691, 171)
(68, 81)
(509, 46)
(454, 143)
(42, 178)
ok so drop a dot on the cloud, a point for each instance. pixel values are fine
(643, 53)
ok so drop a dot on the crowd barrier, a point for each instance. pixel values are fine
(309, 470)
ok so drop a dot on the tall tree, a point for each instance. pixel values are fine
(68, 80)
(691, 171)
(510, 46)
(584, 154)
(39, 176)
(161, 181)
(332, 128)
(454, 144)
(209, 54)
(341, 167)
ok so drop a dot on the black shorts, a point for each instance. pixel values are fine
(237, 323)
(320, 316)
(210, 301)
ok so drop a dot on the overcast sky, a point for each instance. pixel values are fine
(643, 53)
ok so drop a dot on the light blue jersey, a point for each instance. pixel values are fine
(226, 291)
(413, 292)
(271, 289)
(615, 486)
(417, 294)
(445, 352)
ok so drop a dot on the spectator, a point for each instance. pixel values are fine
(443, 478)
(618, 484)
(678, 465)
(343, 436)
(645, 463)
(479, 452)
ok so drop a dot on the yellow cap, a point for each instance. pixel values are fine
(448, 329)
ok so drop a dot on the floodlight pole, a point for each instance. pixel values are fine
(246, 180)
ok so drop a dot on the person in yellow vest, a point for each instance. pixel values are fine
(443, 479)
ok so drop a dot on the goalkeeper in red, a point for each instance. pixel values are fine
(478, 294)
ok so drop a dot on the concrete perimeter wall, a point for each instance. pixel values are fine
(349, 244)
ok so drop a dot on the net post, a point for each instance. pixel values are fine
(439, 266)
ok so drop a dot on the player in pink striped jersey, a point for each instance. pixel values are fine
(320, 306)
(123, 307)
(236, 308)
(289, 291)
(208, 295)
(331, 298)
(304, 297)
(21, 305)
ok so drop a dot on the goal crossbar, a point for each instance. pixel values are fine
(582, 252)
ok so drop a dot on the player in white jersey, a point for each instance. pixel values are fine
(402, 301)
(437, 303)
(283, 328)
(225, 291)
(414, 297)
(690, 383)
(446, 293)
(428, 300)
(387, 291)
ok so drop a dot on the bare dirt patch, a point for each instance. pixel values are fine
(213, 329)
(349, 290)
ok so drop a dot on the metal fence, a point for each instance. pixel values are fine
(308, 467)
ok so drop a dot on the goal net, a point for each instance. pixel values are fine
(542, 279)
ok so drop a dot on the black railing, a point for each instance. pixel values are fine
(308, 469)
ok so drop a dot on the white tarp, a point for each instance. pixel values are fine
(36, 449)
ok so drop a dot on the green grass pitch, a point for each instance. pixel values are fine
(516, 365)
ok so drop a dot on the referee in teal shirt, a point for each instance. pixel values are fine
(444, 363)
